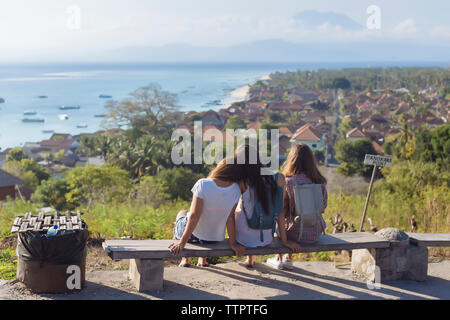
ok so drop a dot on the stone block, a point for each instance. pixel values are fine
(146, 274)
(401, 261)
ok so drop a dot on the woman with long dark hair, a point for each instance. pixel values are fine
(262, 188)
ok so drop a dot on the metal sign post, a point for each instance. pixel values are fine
(375, 161)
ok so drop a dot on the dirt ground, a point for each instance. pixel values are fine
(308, 280)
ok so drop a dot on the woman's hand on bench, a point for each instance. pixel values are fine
(177, 247)
(294, 246)
(238, 249)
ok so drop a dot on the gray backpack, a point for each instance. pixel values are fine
(308, 206)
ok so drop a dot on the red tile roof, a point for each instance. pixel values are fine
(377, 147)
(307, 133)
(355, 133)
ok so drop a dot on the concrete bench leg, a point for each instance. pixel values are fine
(401, 261)
(146, 274)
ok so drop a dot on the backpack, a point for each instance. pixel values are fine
(308, 206)
(260, 220)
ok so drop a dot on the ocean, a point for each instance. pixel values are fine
(197, 85)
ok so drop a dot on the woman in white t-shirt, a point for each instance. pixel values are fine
(213, 205)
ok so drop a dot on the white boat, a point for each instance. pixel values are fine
(69, 107)
(63, 117)
(29, 113)
(33, 120)
(82, 125)
(48, 131)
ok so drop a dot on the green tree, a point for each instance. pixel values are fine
(351, 156)
(93, 184)
(52, 193)
(433, 145)
(27, 170)
(274, 117)
(59, 155)
(16, 154)
(235, 122)
(341, 83)
(177, 182)
(149, 110)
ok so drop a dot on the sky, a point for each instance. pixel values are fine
(32, 30)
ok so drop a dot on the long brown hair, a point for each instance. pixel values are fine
(228, 170)
(301, 160)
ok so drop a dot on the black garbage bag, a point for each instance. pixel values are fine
(67, 247)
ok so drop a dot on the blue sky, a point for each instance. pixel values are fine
(30, 28)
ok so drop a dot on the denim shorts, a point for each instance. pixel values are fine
(178, 230)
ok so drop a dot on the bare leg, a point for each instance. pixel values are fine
(202, 262)
(184, 261)
(182, 213)
(279, 257)
(288, 256)
(250, 262)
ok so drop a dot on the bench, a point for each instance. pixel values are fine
(430, 239)
(405, 259)
(147, 256)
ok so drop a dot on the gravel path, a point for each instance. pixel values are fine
(308, 280)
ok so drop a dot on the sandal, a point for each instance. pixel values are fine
(184, 265)
(203, 265)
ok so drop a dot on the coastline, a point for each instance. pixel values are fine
(241, 94)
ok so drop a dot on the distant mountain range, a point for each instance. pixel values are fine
(275, 50)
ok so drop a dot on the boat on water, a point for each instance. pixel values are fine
(48, 131)
(42, 97)
(63, 117)
(69, 107)
(30, 120)
(215, 102)
(105, 96)
(100, 115)
(29, 113)
(82, 126)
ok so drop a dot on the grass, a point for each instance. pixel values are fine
(8, 264)
(133, 220)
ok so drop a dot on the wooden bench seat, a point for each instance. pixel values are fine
(158, 249)
(430, 239)
(147, 256)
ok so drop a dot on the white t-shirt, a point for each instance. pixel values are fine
(217, 205)
(250, 238)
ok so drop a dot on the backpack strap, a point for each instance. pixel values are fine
(261, 233)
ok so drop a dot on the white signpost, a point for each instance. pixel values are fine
(375, 161)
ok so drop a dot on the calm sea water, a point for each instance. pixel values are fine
(81, 84)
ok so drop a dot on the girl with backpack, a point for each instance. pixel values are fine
(261, 201)
(212, 209)
(299, 169)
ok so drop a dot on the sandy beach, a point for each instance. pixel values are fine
(241, 94)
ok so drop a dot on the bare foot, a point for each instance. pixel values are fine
(249, 263)
(202, 263)
(184, 263)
